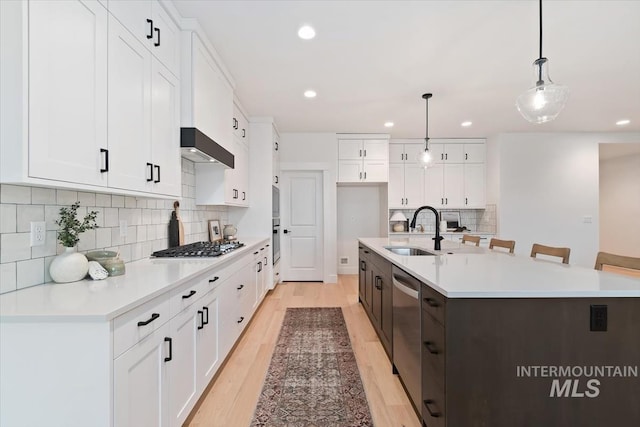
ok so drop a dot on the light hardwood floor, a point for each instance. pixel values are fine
(231, 400)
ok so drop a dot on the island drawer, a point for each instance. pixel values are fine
(433, 406)
(433, 303)
(133, 326)
(433, 349)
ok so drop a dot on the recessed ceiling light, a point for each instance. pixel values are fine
(212, 160)
(466, 124)
(623, 122)
(388, 124)
(306, 32)
(310, 93)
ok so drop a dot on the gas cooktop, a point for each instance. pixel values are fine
(198, 249)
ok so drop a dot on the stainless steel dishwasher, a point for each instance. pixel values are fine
(406, 333)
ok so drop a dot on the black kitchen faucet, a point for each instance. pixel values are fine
(438, 238)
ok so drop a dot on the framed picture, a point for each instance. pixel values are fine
(215, 233)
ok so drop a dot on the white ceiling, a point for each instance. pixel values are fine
(372, 60)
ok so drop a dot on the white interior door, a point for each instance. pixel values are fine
(302, 226)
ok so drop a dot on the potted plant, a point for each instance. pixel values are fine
(71, 266)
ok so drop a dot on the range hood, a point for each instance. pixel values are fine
(199, 148)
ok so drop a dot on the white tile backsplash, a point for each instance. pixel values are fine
(30, 272)
(15, 194)
(476, 220)
(147, 226)
(8, 218)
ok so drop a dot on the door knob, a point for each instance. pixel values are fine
(285, 231)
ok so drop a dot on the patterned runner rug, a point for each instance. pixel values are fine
(313, 378)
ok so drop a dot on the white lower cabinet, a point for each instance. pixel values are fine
(139, 382)
(207, 343)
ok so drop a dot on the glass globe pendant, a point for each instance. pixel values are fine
(544, 101)
(426, 159)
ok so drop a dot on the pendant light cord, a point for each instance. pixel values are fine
(540, 29)
(426, 139)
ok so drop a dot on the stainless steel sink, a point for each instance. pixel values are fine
(405, 250)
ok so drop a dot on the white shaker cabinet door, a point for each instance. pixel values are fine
(474, 185)
(434, 185)
(453, 185)
(181, 369)
(139, 383)
(350, 149)
(349, 170)
(130, 165)
(413, 185)
(165, 131)
(166, 39)
(396, 186)
(68, 91)
(375, 171)
(208, 351)
(136, 17)
(474, 153)
(375, 149)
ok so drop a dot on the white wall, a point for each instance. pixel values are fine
(317, 151)
(548, 184)
(620, 205)
(359, 215)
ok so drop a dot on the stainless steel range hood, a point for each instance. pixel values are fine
(199, 148)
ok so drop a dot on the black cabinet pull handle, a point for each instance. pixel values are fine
(466, 201)
(365, 174)
(446, 156)
(276, 145)
(363, 266)
(170, 341)
(157, 30)
(153, 317)
(435, 413)
(442, 201)
(276, 179)
(266, 246)
(285, 231)
(360, 155)
(201, 314)
(150, 166)
(241, 319)
(106, 160)
(365, 153)
(192, 293)
(378, 280)
(244, 195)
(150, 22)
(244, 133)
(157, 168)
(466, 156)
(206, 310)
(256, 253)
(431, 302)
(366, 252)
(240, 287)
(214, 279)
(441, 156)
(431, 347)
(259, 266)
(446, 201)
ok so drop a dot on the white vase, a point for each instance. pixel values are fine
(69, 266)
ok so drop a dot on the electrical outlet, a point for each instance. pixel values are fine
(587, 219)
(123, 228)
(344, 260)
(38, 233)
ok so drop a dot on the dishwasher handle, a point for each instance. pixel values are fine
(406, 287)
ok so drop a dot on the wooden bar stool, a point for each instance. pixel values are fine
(507, 244)
(471, 239)
(621, 261)
(551, 251)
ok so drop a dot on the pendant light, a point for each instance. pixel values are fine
(426, 158)
(544, 101)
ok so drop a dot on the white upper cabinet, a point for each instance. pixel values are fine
(457, 179)
(151, 25)
(406, 176)
(129, 111)
(143, 118)
(67, 121)
(208, 96)
(363, 160)
(83, 102)
(240, 125)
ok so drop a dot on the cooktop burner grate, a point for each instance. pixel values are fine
(198, 250)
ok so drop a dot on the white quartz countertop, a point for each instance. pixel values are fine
(106, 299)
(464, 271)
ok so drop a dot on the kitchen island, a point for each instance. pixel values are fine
(508, 340)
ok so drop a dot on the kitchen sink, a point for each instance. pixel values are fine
(404, 250)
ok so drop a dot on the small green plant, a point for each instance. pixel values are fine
(70, 227)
